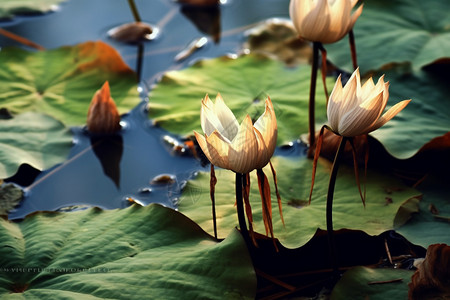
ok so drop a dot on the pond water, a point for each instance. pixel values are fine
(105, 172)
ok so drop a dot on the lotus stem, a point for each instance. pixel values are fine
(212, 188)
(240, 208)
(134, 10)
(312, 98)
(351, 39)
(329, 209)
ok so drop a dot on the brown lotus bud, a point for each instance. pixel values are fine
(103, 116)
(432, 277)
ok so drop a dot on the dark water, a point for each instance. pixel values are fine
(106, 171)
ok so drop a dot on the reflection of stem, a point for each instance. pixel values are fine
(28, 188)
(351, 38)
(329, 209)
(240, 208)
(139, 61)
(134, 10)
(312, 96)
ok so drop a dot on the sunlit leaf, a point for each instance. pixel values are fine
(9, 8)
(376, 284)
(397, 31)
(385, 195)
(135, 253)
(61, 82)
(33, 138)
(244, 83)
(426, 117)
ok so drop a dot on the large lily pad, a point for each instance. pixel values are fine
(61, 82)
(385, 195)
(367, 283)
(425, 118)
(244, 83)
(397, 31)
(33, 138)
(9, 8)
(432, 224)
(135, 253)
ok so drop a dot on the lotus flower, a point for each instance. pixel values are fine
(240, 148)
(103, 116)
(325, 21)
(355, 110)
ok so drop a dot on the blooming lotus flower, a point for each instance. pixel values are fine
(355, 110)
(103, 116)
(325, 21)
(240, 148)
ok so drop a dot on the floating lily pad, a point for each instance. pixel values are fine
(61, 82)
(397, 31)
(425, 118)
(432, 224)
(367, 283)
(33, 138)
(244, 83)
(385, 195)
(135, 253)
(9, 8)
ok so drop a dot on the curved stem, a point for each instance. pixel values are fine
(134, 10)
(329, 209)
(240, 208)
(312, 98)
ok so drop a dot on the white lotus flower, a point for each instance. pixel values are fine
(230, 146)
(325, 21)
(355, 110)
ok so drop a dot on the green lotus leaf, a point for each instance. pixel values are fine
(432, 224)
(385, 195)
(9, 8)
(376, 284)
(33, 138)
(244, 83)
(425, 118)
(61, 82)
(397, 31)
(134, 253)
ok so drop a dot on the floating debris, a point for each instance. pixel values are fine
(134, 201)
(164, 179)
(191, 48)
(72, 208)
(132, 33)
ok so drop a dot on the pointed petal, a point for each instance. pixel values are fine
(226, 117)
(218, 148)
(208, 120)
(392, 112)
(202, 143)
(243, 152)
(334, 104)
(355, 17)
(267, 127)
(349, 97)
(263, 152)
(362, 117)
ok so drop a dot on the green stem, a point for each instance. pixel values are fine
(312, 98)
(329, 209)
(134, 10)
(240, 208)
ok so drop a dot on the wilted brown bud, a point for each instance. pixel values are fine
(103, 116)
(432, 278)
(131, 32)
